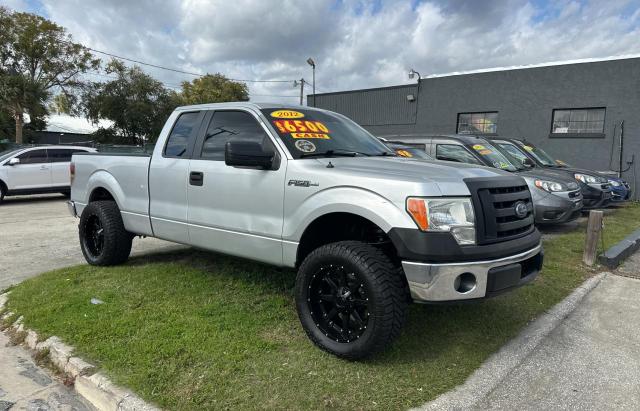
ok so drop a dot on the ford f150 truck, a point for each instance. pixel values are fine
(309, 189)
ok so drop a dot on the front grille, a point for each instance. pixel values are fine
(574, 194)
(494, 202)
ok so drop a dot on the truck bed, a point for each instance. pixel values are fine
(129, 174)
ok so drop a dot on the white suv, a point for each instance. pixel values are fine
(37, 170)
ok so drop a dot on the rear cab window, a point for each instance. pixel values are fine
(182, 136)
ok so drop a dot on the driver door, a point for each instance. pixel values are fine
(235, 210)
(32, 173)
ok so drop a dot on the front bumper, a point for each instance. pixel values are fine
(471, 280)
(595, 197)
(558, 208)
(71, 206)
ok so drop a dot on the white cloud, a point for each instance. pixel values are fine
(355, 43)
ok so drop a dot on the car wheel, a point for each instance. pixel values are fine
(351, 299)
(103, 238)
(3, 191)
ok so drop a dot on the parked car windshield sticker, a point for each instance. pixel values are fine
(500, 164)
(287, 114)
(403, 153)
(528, 148)
(485, 152)
(305, 146)
(478, 147)
(300, 126)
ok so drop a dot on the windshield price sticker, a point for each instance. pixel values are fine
(478, 147)
(485, 152)
(528, 148)
(287, 114)
(404, 153)
(311, 135)
(300, 126)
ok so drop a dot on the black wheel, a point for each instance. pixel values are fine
(103, 238)
(351, 299)
(3, 191)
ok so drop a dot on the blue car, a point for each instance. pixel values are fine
(620, 190)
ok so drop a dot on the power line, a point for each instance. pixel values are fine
(176, 70)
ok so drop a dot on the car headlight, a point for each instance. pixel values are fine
(549, 186)
(614, 183)
(454, 215)
(586, 178)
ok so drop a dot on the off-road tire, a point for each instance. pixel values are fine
(116, 244)
(382, 281)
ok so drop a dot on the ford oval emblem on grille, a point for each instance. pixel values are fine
(521, 209)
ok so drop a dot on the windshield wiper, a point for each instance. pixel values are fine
(386, 154)
(333, 153)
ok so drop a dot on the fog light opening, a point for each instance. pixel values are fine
(465, 283)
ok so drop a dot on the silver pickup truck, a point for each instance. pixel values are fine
(368, 232)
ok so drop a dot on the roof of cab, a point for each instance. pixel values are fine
(246, 104)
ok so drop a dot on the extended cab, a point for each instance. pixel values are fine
(309, 189)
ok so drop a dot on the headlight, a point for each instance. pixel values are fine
(549, 186)
(454, 215)
(586, 178)
(614, 183)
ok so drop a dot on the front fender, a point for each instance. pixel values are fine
(354, 200)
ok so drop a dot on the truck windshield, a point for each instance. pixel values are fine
(314, 133)
(494, 157)
(540, 155)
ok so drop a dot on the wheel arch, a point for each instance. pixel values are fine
(342, 226)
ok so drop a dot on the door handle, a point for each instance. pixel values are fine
(196, 178)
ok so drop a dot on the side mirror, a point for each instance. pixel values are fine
(527, 162)
(248, 154)
(14, 161)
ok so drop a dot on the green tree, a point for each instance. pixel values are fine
(36, 57)
(136, 103)
(60, 104)
(213, 88)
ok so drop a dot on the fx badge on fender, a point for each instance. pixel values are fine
(302, 183)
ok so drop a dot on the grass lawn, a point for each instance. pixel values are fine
(193, 330)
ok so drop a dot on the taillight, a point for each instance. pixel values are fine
(72, 172)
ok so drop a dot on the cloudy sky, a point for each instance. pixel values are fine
(356, 44)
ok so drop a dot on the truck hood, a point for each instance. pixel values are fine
(419, 177)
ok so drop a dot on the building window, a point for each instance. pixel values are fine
(478, 123)
(589, 121)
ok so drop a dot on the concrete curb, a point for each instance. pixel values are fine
(497, 367)
(93, 386)
(620, 251)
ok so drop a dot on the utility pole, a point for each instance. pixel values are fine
(313, 66)
(295, 84)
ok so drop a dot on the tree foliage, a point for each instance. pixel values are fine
(213, 88)
(37, 56)
(136, 102)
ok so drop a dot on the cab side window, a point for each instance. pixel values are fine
(33, 157)
(182, 134)
(231, 125)
(453, 152)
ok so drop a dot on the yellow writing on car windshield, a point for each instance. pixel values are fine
(485, 152)
(300, 126)
(287, 114)
(478, 147)
(311, 135)
(404, 153)
(528, 148)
